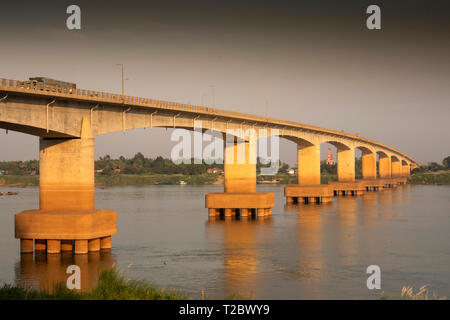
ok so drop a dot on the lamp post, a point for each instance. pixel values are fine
(213, 95)
(123, 80)
(203, 99)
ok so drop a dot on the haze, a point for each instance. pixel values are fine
(314, 64)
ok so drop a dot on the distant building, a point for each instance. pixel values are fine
(2, 172)
(292, 171)
(330, 160)
(117, 170)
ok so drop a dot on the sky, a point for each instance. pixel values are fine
(313, 62)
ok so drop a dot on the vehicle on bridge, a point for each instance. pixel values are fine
(44, 83)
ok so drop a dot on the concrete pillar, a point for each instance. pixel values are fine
(67, 172)
(346, 164)
(384, 166)
(40, 245)
(66, 245)
(240, 166)
(396, 169)
(81, 246)
(94, 245)
(308, 164)
(53, 246)
(261, 212)
(105, 243)
(369, 166)
(26, 245)
(406, 170)
(244, 212)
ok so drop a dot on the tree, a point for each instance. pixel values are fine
(446, 162)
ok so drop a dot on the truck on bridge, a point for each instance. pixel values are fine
(43, 82)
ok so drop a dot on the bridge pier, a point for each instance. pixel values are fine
(240, 197)
(346, 164)
(406, 170)
(308, 189)
(369, 166)
(384, 166)
(396, 169)
(66, 199)
(347, 185)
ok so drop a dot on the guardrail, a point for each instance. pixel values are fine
(106, 97)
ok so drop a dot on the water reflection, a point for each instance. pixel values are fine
(302, 252)
(241, 242)
(369, 209)
(310, 236)
(42, 271)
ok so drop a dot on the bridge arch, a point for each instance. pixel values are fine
(366, 166)
(384, 164)
(396, 167)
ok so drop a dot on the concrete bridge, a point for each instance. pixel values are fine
(67, 121)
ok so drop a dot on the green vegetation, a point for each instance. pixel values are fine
(292, 179)
(111, 286)
(143, 166)
(19, 180)
(30, 167)
(152, 179)
(446, 163)
(433, 178)
(146, 171)
(422, 293)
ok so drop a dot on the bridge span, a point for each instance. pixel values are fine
(67, 121)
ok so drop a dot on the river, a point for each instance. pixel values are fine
(304, 251)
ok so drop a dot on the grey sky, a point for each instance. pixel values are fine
(313, 64)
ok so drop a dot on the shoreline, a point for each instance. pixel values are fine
(22, 181)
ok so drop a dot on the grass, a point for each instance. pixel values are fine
(284, 178)
(422, 293)
(431, 178)
(152, 179)
(19, 180)
(118, 179)
(112, 285)
(426, 178)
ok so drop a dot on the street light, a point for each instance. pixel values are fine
(267, 107)
(123, 80)
(203, 99)
(213, 95)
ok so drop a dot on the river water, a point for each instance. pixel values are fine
(304, 251)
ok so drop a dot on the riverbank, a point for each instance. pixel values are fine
(431, 178)
(120, 179)
(111, 286)
(427, 178)
(155, 179)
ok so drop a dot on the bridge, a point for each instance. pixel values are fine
(67, 120)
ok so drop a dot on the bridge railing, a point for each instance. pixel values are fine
(99, 96)
(39, 87)
(33, 86)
